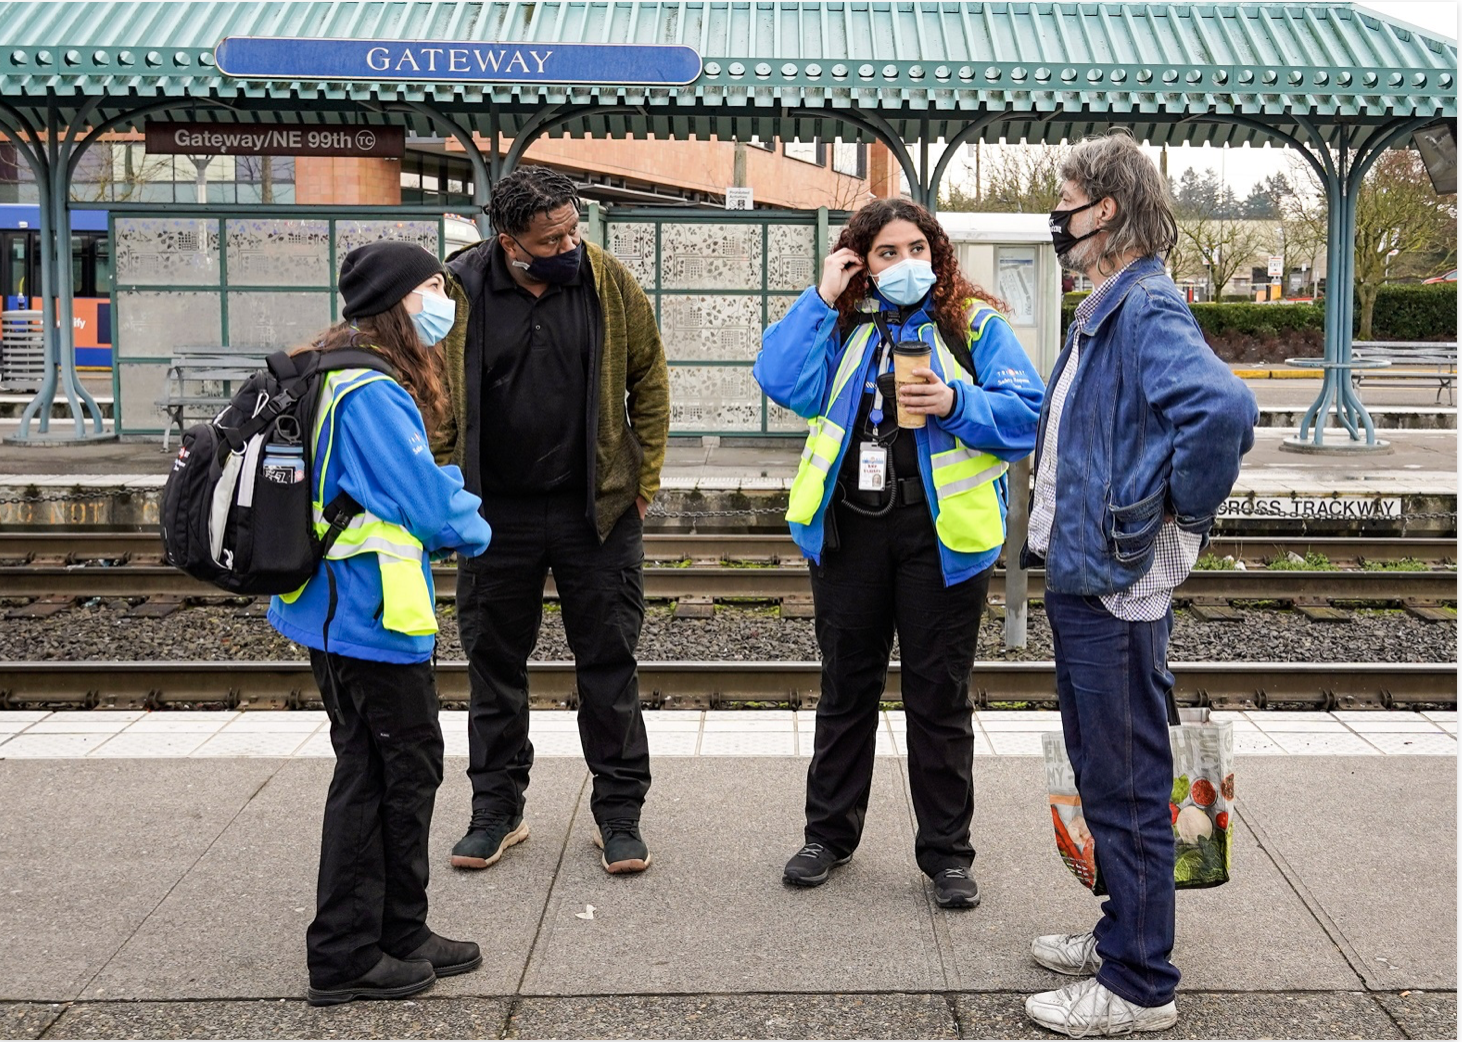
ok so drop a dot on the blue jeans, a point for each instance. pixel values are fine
(1112, 680)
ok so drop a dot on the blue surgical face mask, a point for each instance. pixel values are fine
(435, 318)
(906, 282)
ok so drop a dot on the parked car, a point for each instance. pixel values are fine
(1451, 276)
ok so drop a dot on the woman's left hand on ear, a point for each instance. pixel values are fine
(934, 397)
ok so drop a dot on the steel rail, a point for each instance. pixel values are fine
(773, 582)
(684, 546)
(709, 684)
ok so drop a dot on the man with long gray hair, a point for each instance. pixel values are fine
(1140, 443)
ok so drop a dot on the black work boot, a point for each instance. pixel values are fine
(388, 979)
(486, 839)
(811, 865)
(448, 958)
(624, 850)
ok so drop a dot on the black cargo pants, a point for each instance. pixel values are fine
(884, 577)
(500, 608)
(371, 895)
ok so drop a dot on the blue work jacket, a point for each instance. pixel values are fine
(1154, 424)
(379, 456)
(996, 414)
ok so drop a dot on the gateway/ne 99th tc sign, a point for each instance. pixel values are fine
(296, 58)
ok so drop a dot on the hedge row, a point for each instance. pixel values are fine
(1403, 312)
(1415, 312)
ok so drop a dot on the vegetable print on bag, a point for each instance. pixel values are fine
(1201, 805)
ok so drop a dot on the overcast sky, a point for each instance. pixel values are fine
(1243, 167)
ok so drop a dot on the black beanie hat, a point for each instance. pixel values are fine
(374, 277)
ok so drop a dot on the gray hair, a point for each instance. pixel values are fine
(1112, 166)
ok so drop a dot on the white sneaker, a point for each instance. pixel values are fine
(1087, 1009)
(1073, 953)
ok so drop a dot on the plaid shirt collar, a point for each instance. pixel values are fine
(1088, 307)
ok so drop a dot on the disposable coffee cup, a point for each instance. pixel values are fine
(909, 355)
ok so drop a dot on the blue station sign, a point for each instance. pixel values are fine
(298, 58)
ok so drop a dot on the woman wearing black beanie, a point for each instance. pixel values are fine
(367, 616)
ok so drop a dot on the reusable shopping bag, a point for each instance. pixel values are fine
(1201, 804)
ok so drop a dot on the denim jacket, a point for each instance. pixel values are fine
(1154, 424)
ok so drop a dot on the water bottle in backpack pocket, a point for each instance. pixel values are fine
(281, 491)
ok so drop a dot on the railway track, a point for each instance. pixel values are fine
(74, 566)
(669, 547)
(701, 685)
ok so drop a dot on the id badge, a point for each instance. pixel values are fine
(872, 467)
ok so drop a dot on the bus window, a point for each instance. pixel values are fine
(13, 270)
(103, 269)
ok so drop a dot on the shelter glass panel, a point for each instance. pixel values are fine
(711, 256)
(783, 420)
(170, 251)
(633, 245)
(138, 386)
(151, 324)
(266, 251)
(790, 257)
(271, 321)
(350, 234)
(712, 398)
(711, 327)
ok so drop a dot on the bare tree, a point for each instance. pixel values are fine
(116, 171)
(1220, 246)
(1014, 179)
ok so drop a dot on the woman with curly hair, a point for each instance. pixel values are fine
(899, 503)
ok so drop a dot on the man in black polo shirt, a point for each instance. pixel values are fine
(561, 408)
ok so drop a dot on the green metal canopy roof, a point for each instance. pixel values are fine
(1053, 70)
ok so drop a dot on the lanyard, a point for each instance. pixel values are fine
(884, 357)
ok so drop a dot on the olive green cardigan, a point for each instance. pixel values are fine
(633, 408)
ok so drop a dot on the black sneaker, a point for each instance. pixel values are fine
(486, 840)
(448, 958)
(624, 850)
(388, 979)
(956, 888)
(811, 865)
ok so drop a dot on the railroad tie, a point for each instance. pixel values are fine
(1429, 611)
(694, 608)
(1214, 609)
(1321, 611)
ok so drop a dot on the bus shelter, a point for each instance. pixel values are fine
(1332, 81)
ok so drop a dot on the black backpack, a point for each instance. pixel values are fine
(236, 509)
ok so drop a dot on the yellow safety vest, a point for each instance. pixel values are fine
(967, 514)
(406, 599)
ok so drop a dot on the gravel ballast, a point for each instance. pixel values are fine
(102, 631)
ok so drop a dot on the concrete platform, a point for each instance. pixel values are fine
(167, 898)
(733, 484)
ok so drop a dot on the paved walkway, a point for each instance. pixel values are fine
(166, 897)
(112, 734)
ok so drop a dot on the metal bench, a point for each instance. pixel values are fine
(201, 381)
(1413, 363)
(22, 351)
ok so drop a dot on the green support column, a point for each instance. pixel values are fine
(1343, 183)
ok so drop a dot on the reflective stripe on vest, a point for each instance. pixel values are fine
(406, 600)
(969, 519)
(824, 438)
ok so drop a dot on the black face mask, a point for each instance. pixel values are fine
(1062, 239)
(560, 268)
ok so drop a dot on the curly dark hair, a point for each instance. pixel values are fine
(952, 291)
(525, 193)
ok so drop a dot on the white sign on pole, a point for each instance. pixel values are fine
(738, 198)
(1276, 267)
